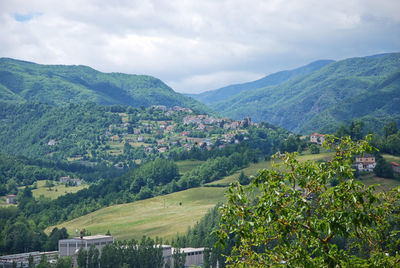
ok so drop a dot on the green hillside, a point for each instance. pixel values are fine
(61, 84)
(162, 216)
(357, 88)
(221, 94)
(26, 129)
(165, 216)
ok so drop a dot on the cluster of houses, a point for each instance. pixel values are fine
(71, 247)
(208, 122)
(146, 130)
(170, 110)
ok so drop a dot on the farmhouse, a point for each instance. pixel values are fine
(70, 180)
(51, 142)
(365, 162)
(162, 149)
(11, 199)
(396, 167)
(317, 138)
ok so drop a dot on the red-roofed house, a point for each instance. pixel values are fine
(396, 167)
(11, 199)
(317, 138)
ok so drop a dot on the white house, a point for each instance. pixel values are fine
(365, 163)
(11, 199)
(317, 138)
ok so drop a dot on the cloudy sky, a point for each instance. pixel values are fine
(197, 45)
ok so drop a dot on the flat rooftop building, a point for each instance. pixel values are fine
(22, 259)
(68, 247)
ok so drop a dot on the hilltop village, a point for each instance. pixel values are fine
(159, 129)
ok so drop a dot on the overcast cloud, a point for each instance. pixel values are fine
(197, 45)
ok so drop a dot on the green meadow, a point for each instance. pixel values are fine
(187, 165)
(56, 191)
(165, 216)
(162, 216)
(253, 169)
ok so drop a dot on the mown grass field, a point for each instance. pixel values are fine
(187, 165)
(252, 170)
(384, 185)
(391, 158)
(58, 190)
(162, 216)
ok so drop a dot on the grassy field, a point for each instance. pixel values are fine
(253, 168)
(162, 216)
(56, 191)
(165, 216)
(391, 158)
(188, 165)
(385, 185)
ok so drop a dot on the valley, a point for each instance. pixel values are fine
(127, 156)
(166, 216)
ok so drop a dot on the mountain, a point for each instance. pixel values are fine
(364, 88)
(217, 95)
(61, 84)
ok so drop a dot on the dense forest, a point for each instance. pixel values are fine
(217, 95)
(364, 88)
(22, 81)
(26, 129)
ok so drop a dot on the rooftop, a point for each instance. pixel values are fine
(88, 238)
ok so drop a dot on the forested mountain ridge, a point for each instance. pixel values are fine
(307, 103)
(61, 84)
(214, 96)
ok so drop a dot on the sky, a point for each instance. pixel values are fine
(197, 45)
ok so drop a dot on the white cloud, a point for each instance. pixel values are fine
(197, 45)
(212, 80)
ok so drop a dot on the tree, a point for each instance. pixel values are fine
(55, 235)
(390, 129)
(179, 258)
(314, 149)
(31, 263)
(383, 168)
(243, 179)
(43, 262)
(82, 258)
(65, 262)
(393, 144)
(291, 216)
(93, 257)
(49, 184)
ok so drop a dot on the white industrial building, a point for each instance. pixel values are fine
(70, 246)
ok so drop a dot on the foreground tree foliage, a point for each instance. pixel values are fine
(291, 216)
